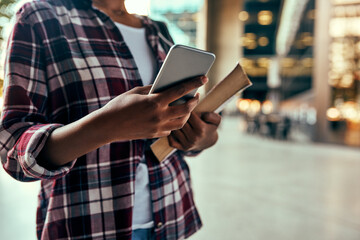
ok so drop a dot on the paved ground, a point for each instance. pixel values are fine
(253, 189)
(246, 188)
(18, 203)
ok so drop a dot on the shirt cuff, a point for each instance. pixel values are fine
(28, 147)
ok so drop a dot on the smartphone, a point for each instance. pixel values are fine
(182, 63)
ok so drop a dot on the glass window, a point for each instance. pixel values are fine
(181, 18)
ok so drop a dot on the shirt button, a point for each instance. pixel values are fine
(159, 225)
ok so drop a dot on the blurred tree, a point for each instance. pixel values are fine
(6, 13)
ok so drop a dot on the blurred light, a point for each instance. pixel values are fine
(251, 45)
(254, 107)
(333, 82)
(340, 11)
(351, 11)
(356, 118)
(344, 26)
(334, 75)
(333, 114)
(348, 110)
(288, 62)
(243, 41)
(252, 69)
(243, 16)
(350, 114)
(358, 47)
(140, 7)
(307, 39)
(337, 28)
(243, 104)
(336, 47)
(246, 62)
(347, 81)
(345, 1)
(307, 62)
(263, 41)
(267, 107)
(251, 36)
(263, 62)
(265, 17)
(249, 41)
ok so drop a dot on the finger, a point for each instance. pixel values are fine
(181, 140)
(188, 132)
(185, 108)
(176, 124)
(173, 142)
(211, 118)
(180, 137)
(181, 89)
(143, 90)
(196, 123)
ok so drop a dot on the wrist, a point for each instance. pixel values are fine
(97, 128)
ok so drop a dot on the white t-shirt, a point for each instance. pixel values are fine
(135, 38)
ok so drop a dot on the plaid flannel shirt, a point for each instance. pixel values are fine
(64, 60)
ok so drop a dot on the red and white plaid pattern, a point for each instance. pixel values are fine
(66, 59)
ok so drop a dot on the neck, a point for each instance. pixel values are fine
(111, 5)
(116, 10)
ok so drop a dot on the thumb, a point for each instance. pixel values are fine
(211, 118)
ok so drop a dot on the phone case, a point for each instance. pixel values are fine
(181, 63)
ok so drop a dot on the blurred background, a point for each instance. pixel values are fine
(287, 163)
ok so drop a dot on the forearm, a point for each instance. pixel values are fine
(71, 141)
(131, 115)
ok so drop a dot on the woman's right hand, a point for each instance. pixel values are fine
(139, 115)
(132, 115)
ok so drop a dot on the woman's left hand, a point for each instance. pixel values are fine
(199, 133)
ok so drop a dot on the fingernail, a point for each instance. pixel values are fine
(197, 96)
(204, 79)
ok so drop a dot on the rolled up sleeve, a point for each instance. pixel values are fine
(21, 160)
(24, 126)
